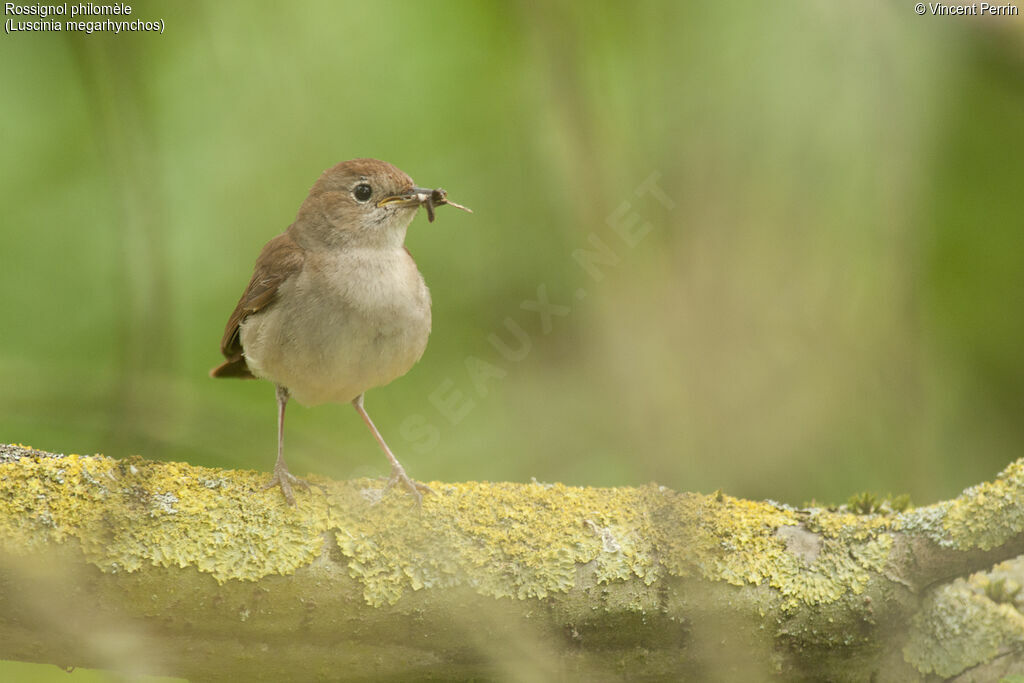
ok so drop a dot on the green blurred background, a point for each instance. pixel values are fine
(827, 298)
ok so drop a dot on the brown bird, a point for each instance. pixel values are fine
(336, 305)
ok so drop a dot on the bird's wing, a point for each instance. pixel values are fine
(280, 259)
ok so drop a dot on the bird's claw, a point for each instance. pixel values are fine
(285, 479)
(414, 487)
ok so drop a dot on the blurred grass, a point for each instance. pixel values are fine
(834, 304)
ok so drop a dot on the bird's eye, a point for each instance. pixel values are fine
(362, 192)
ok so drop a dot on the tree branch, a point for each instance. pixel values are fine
(170, 568)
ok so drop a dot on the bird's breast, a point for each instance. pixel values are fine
(346, 323)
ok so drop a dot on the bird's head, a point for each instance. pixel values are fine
(360, 203)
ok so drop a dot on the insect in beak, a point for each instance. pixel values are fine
(439, 197)
(419, 196)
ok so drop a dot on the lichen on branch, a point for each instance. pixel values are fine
(568, 562)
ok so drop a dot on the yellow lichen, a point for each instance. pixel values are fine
(517, 541)
(130, 513)
(983, 517)
(502, 540)
(737, 543)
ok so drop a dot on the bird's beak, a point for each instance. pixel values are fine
(413, 197)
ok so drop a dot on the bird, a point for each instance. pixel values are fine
(336, 305)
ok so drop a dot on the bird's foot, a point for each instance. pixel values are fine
(285, 479)
(398, 476)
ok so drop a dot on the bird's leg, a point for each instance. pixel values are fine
(397, 471)
(282, 477)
